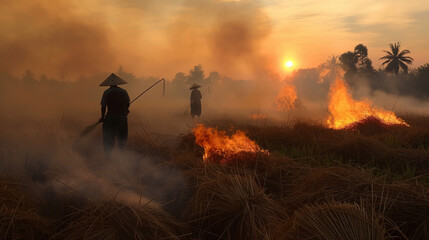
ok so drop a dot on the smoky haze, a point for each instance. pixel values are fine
(52, 38)
(67, 40)
(57, 53)
(43, 118)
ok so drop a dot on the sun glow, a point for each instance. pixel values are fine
(288, 64)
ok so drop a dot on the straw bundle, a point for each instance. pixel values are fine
(18, 216)
(114, 220)
(415, 137)
(358, 148)
(406, 204)
(332, 221)
(402, 160)
(232, 206)
(150, 145)
(279, 174)
(369, 152)
(187, 143)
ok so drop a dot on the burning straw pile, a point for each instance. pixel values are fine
(345, 111)
(110, 219)
(221, 148)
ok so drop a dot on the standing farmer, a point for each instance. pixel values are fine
(195, 100)
(115, 124)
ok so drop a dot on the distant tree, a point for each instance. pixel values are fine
(361, 53)
(423, 71)
(179, 85)
(356, 65)
(43, 78)
(196, 75)
(356, 61)
(28, 77)
(120, 70)
(348, 61)
(125, 75)
(214, 77)
(421, 80)
(364, 64)
(367, 67)
(180, 77)
(330, 69)
(396, 59)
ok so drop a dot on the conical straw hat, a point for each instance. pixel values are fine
(113, 80)
(194, 86)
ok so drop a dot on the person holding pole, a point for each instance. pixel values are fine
(195, 100)
(117, 102)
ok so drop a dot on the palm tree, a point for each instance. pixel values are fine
(396, 59)
(330, 69)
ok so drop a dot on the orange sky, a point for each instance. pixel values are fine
(242, 39)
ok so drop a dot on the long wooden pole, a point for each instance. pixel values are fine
(162, 79)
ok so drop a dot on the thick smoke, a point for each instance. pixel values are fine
(53, 38)
(66, 40)
(413, 84)
(39, 140)
(226, 35)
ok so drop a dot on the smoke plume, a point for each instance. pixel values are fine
(52, 37)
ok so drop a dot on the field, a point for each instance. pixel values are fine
(369, 181)
(247, 120)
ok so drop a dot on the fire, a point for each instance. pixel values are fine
(219, 147)
(345, 111)
(286, 99)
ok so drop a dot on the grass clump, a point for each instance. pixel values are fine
(232, 206)
(19, 218)
(109, 219)
(332, 221)
(404, 203)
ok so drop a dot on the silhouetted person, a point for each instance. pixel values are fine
(195, 100)
(115, 124)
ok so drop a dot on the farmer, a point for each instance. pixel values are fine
(195, 100)
(115, 124)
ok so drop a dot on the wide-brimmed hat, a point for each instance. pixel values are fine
(194, 86)
(113, 80)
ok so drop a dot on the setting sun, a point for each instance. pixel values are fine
(288, 64)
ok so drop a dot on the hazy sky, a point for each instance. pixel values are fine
(242, 39)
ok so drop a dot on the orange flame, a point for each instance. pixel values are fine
(345, 111)
(219, 147)
(286, 99)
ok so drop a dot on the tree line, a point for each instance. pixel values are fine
(395, 75)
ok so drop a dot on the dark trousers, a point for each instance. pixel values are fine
(196, 109)
(114, 127)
